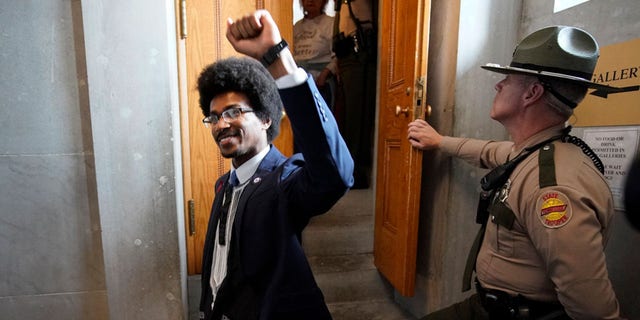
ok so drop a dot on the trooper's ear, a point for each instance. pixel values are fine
(533, 93)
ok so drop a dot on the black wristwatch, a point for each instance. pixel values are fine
(273, 53)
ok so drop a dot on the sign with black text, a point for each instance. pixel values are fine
(616, 147)
(618, 66)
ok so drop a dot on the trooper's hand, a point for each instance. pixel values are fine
(423, 136)
(253, 34)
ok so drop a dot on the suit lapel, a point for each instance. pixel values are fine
(210, 241)
(270, 163)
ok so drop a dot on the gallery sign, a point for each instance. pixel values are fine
(618, 66)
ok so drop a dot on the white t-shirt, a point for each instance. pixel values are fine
(312, 43)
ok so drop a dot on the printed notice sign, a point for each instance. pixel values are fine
(618, 66)
(616, 147)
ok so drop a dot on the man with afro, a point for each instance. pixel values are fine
(254, 266)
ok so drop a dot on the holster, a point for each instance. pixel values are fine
(482, 212)
(364, 40)
(342, 45)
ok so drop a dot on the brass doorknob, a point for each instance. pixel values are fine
(399, 110)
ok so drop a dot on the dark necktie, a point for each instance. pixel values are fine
(224, 210)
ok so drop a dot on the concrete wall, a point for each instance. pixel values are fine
(88, 216)
(488, 32)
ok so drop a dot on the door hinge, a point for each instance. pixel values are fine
(183, 19)
(192, 217)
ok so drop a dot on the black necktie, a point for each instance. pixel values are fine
(224, 210)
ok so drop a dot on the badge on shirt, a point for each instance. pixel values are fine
(555, 210)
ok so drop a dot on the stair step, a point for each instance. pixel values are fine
(346, 229)
(339, 246)
(351, 236)
(354, 285)
(341, 263)
(368, 310)
(355, 203)
(332, 218)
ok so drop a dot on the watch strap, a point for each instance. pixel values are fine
(273, 53)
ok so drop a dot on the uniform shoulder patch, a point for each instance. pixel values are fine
(555, 209)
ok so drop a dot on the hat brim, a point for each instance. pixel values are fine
(546, 74)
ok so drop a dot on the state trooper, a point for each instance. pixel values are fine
(546, 209)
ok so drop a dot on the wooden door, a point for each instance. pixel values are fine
(402, 73)
(203, 43)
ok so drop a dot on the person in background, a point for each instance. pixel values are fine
(312, 47)
(355, 45)
(632, 193)
(545, 209)
(254, 266)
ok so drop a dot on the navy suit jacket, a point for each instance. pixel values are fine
(268, 273)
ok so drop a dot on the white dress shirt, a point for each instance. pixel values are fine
(221, 252)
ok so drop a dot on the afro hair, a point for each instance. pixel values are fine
(246, 76)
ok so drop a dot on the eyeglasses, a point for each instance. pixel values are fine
(227, 115)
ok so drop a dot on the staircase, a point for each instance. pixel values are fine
(339, 246)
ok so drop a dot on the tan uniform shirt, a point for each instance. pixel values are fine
(362, 11)
(555, 250)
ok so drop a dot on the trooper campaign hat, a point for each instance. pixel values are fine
(563, 53)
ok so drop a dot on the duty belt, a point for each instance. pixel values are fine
(501, 305)
(354, 43)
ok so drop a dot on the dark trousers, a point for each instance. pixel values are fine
(358, 78)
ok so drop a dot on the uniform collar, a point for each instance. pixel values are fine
(539, 137)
